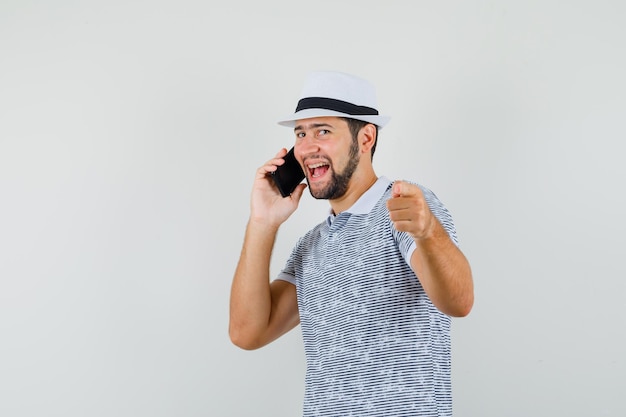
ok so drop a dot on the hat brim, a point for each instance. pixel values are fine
(290, 121)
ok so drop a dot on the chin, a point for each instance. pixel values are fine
(318, 194)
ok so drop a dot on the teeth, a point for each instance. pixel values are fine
(321, 164)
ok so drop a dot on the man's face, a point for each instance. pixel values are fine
(328, 153)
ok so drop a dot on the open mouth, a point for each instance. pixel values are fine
(318, 170)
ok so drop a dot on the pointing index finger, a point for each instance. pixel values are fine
(403, 189)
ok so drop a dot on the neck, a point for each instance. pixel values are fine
(359, 184)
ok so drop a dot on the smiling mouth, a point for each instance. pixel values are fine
(317, 170)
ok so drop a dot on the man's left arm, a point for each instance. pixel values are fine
(441, 267)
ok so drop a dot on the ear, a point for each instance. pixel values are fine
(367, 137)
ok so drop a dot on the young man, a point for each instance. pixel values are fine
(373, 286)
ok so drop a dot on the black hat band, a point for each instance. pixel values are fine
(336, 105)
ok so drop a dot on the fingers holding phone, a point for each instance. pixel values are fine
(276, 193)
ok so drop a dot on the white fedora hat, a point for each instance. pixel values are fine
(332, 93)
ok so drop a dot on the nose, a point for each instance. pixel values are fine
(306, 146)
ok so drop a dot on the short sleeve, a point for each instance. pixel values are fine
(288, 273)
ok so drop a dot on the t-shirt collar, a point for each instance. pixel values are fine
(366, 202)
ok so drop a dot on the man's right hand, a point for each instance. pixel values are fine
(266, 203)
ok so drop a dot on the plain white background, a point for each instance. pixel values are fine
(130, 132)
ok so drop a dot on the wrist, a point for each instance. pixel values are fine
(262, 224)
(431, 232)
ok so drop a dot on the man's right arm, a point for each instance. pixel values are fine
(261, 311)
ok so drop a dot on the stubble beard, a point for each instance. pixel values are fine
(338, 184)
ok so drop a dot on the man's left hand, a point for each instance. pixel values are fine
(409, 211)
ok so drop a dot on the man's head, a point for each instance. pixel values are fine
(336, 123)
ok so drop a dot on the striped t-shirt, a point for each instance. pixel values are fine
(375, 345)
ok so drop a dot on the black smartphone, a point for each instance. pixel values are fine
(288, 175)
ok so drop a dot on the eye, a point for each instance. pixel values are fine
(300, 134)
(322, 132)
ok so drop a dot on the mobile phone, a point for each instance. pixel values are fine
(288, 175)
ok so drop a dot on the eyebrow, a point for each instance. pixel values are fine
(311, 126)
